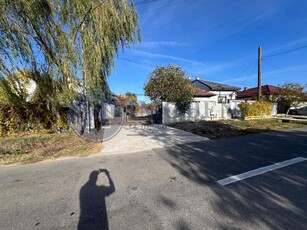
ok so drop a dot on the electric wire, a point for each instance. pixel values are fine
(285, 52)
(276, 67)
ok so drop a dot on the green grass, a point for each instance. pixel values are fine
(230, 128)
(33, 148)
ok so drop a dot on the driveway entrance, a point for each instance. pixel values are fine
(141, 137)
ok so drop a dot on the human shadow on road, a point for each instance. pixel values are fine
(93, 211)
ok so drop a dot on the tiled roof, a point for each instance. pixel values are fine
(252, 92)
(202, 93)
(214, 86)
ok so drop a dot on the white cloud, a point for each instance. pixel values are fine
(197, 68)
(249, 22)
(157, 55)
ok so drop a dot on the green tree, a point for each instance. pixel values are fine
(170, 84)
(67, 46)
(63, 38)
(132, 102)
(132, 97)
(28, 101)
(292, 94)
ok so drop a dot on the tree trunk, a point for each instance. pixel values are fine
(287, 113)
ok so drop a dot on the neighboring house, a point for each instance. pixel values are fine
(212, 101)
(268, 92)
(223, 93)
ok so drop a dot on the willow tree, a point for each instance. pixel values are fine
(73, 41)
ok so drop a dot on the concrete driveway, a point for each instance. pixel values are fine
(136, 138)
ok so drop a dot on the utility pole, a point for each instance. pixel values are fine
(259, 73)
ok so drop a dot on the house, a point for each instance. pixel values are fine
(268, 92)
(223, 93)
(251, 94)
(202, 93)
(212, 101)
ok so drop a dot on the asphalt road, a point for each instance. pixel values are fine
(166, 188)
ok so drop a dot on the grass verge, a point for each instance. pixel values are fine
(38, 147)
(231, 128)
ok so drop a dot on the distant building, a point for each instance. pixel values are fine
(212, 101)
(251, 94)
(268, 92)
(223, 93)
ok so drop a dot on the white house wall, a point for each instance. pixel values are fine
(227, 94)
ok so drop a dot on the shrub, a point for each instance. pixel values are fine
(258, 108)
(244, 109)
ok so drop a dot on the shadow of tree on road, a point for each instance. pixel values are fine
(276, 200)
(93, 212)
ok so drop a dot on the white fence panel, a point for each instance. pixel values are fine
(204, 110)
(201, 110)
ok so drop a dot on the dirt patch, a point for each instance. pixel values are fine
(33, 148)
(231, 128)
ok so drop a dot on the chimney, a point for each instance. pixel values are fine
(197, 78)
(245, 88)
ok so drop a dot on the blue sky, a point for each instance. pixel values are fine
(217, 40)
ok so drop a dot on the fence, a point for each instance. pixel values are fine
(203, 110)
(82, 119)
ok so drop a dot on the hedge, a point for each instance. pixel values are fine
(258, 108)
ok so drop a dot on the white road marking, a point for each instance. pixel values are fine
(256, 172)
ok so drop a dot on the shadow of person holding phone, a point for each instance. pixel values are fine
(93, 211)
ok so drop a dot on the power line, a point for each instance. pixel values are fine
(249, 72)
(282, 68)
(246, 72)
(250, 66)
(285, 52)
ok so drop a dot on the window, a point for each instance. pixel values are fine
(222, 99)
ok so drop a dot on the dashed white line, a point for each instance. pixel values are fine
(256, 172)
